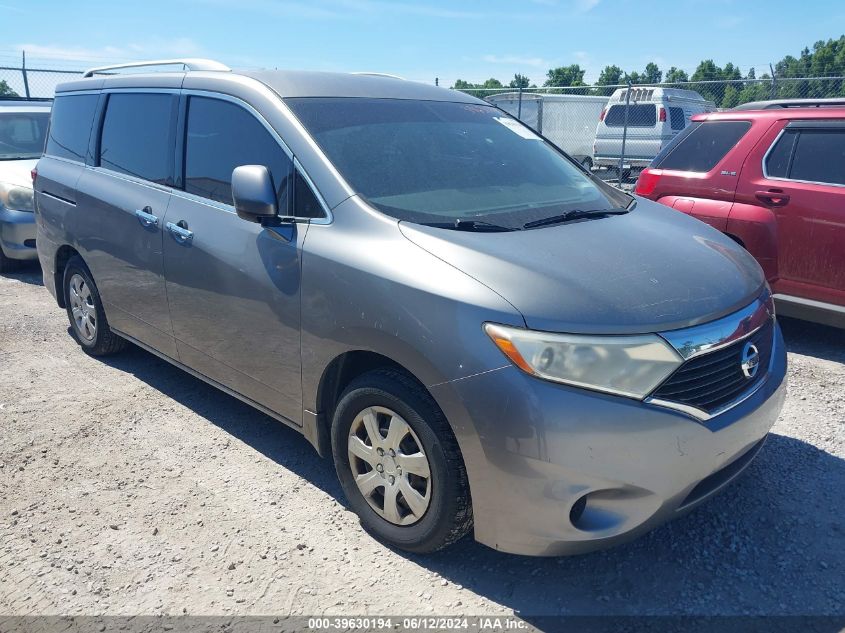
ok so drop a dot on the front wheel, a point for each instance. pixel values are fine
(85, 312)
(399, 463)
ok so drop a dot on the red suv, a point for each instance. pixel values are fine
(774, 181)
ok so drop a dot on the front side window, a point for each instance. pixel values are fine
(819, 156)
(440, 162)
(137, 136)
(702, 147)
(639, 115)
(70, 126)
(22, 134)
(222, 135)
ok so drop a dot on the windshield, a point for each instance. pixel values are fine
(22, 134)
(441, 162)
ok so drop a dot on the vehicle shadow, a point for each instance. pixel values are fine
(813, 339)
(772, 543)
(28, 273)
(268, 436)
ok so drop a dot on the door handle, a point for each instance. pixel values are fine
(180, 234)
(146, 218)
(772, 197)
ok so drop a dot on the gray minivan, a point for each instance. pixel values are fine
(480, 333)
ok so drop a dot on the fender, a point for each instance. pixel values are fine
(756, 228)
(713, 212)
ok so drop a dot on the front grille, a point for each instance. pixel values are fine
(710, 381)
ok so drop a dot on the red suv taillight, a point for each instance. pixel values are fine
(34, 174)
(662, 114)
(647, 182)
(603, 112)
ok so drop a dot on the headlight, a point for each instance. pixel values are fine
(630, 366)
(15, 198)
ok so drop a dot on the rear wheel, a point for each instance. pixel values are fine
(399, 463)
(85, 312)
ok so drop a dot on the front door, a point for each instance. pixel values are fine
(233, 285)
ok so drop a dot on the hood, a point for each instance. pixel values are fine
(17, 172)
(649, 270)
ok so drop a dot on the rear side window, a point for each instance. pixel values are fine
(639, 115)
(70, 126)
(703, 147)
(137, 137)
(819, 157)
(221, 136)
(677, 120)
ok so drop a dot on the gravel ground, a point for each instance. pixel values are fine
(129, 487)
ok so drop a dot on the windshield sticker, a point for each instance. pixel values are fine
(515, 126)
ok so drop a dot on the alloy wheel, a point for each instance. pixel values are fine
(82, 308)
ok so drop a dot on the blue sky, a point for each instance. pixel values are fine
(420, 39)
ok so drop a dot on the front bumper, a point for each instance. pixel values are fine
(627, 163)
(17, 234)
(533, 450)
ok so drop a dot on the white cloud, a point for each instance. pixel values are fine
(586, 5)
(348, 9)
(516, 60)
(152, 48)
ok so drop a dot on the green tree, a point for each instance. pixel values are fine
(708, 71)
(676, 76)
(652, 74)
(479, 90)
(6, 89)
(571, 75)
(609, 76)
(730, 99)
(519, 81)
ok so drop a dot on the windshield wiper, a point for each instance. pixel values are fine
(574, 214)
(471, 225)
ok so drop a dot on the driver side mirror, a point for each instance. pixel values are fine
(254, 194)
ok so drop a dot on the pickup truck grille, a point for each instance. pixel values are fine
(711, 381)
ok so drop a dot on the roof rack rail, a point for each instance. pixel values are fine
(374, 74)
(188, 63)
(774, 104)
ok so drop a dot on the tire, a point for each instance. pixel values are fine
(91, 330)
(7, 264)
(394, 398)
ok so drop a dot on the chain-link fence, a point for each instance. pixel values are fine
(618, 130)
(32, 83)
(614, 130)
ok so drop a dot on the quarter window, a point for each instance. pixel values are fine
(70, 126)
(137, 137)
(305, 204)
(702, 147)
(819, 156)
(221, 136)
(677, 120)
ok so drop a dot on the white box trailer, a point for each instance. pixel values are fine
(568, 121)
